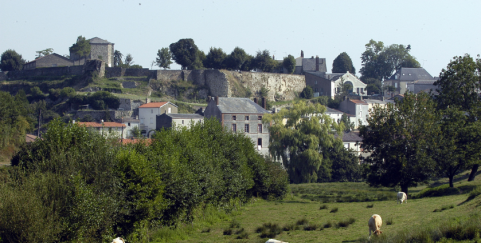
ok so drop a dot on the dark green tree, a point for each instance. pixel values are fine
(307, 93)
(301, 141)
(380, 62)
(81, 47)
(458, 144)
(289, 63)
(373, 85)
(342, 64)
(459, 87)
(344, 164)
(118, 58)
(236, 59)
(215, 59)
(185, 53)
(163, 59)
(11, 60)
(264, 62)
(400, 139)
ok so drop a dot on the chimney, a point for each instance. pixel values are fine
(302, 54)
(263, 101)
(217, 100)
(148, 100)
(255, 100)
(317, 63)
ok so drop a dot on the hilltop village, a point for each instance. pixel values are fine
(237, 147)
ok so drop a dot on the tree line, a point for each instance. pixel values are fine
(76, 186)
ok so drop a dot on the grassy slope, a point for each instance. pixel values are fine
(417, 214)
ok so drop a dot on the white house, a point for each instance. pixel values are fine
(148, 113)
(330, 84)
(178, 120)
(106, 129)
(130, 124)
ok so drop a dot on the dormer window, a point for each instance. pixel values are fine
(234, 117)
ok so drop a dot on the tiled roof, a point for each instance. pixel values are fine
(333, 111)
(105, 124)
(350, 137)
(153, 105)
(358, 101)
(53, 54)
(239, 105)
(97, 40)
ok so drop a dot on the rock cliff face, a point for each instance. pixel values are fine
(226, 83)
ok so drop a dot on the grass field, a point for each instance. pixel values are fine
(306, 220)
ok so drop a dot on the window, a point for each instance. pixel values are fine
(246, 118)
(316, 82)
(151, 120)
(234, 127)
(246, 128)
(142, 120)
(234, 117)
(260, 117)
(152, 110)
(346, 145)
(260, 128)
(128, 124)
(182, 121)
(396, 85)
(260, 143)
(168, 110)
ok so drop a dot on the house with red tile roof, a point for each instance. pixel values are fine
(148, 113)
(106, 128)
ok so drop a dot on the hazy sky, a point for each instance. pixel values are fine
(436, 30)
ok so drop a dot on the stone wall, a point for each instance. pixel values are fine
(53, 71)
(98, 115)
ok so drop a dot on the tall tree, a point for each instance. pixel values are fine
(215, 58)
(264, 61)
(236, 59)
(45, 52)
(163, 59)
(11, 60)
(289, 63)
(400, 138)
(459, 87)
(185, 53)
(81, 47)
(118, 58)
(300, 142)
(458, 144)
(342, 64)
(129, 60)
(380, 62)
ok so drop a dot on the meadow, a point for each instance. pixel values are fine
(330, 212)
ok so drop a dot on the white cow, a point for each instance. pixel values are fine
(274, 241)
(374, 224)
(401, 196)
(118, 240)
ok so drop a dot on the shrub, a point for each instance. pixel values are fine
(323, 207)
(302, 221)
(327, 225)
(310, 227)
(307, 92)
(234, 224)
(334, 210)
(390, 221)
(346, 223)
(228, 232)
(269, 230)
(370, 206)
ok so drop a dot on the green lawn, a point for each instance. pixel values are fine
(406, 218)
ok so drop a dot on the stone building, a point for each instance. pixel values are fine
(178, 120)
(309, 64)
(99, 49)
(330, 84)
(51, 60)
(409, 79)
(357, 111)
(241, 115)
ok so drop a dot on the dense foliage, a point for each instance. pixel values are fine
(99, 100)
(14, 121)
(77, 186)
(342, 64)
(163, 59)
(185, 53)
(11, 60)
(81, 47)
(306, 143)
(289, 63)
(307, 92)
(401, 139)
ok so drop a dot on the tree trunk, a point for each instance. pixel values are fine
(405, 189)
(451, 181)
(473, 172)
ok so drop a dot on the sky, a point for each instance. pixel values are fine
(436, 30)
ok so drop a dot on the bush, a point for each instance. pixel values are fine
(370, 206)
(269, 230)
(334, 210)
(307, 92)
(345, 223)
(302, 221)
(323, 207)
(310, 227)
(327, 225)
